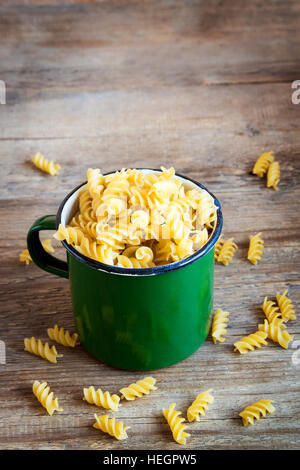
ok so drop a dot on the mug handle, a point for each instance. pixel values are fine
(41, 258)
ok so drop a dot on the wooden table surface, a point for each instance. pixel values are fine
(204, 86)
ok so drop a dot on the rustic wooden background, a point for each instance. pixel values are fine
(204, 86)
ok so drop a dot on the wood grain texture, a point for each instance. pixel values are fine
(204, 86)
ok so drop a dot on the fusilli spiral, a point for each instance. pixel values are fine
(86, 209)
(175, 423)
(276, 331)
(199, 238)
(165, 251)
(45, 165)
(63, 337)
(111, 427)
(126, 262)
(262, 164)
(95, 182)
(97, 397)
(144, 256)
(256, 411)
(250, 342)
(286, 307)
(255, 248)
(206, 214)
(273, 175)
(25, 256)
(72, 235)
(43, 350)
(227, 251)
(89, 228)
(140, 218)
(41, 391)
(270, 310)
(139, 388)
(199, 405)
(219, 325)
(103, 253)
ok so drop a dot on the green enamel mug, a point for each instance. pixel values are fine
(134, 319)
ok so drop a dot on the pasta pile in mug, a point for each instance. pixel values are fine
(135, 219)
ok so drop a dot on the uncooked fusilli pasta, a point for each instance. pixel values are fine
(43, 350)
(97, 397)
(72, 235)
(286, 307)
(153, 213)
(139, 388)
(250, 342)
(175, 423)
(86, 209)
(45, 165)
(41, 391)
(277, 332)
(262, 164)
(25, 256)
(95, 182)
(63, 337)
(126, 262)
(255, 248)
(207, 212)
(111, 427)
(219, 325)
(256, 411)
(270, 310)
(89, 228)
(227, 251)
(273, 175)
(199, 405)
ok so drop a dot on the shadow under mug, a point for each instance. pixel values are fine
(134, 319)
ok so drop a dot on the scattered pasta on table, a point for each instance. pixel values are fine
(219, 325)
(98, 398)
(139, 388)
(25, 256)
(262, 164)
(273, 175)
(199, 406)
(45, 165)
(227, 251)
(176, 424)
(36, 347)
(276, 331)
(285, 306)
(45, 397)
(256, 411)
(251, 342)
(110, 426)
(256, 246)
(63, 337)
(270, 310)
(266, 164)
